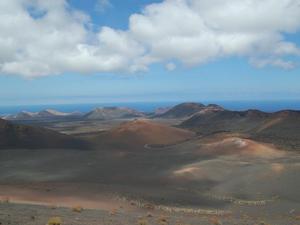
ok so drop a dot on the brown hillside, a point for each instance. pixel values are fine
(137, 133)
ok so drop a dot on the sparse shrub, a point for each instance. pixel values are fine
(163, 220)
(132, 203)
(263, 223)
(215, 221)
(77, 209)
(149, 206)
(297, 217)
(54, 221)
(6, 200)
(53, 207)
(113, 212)
(142, 222)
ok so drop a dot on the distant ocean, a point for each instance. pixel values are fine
(267, 106)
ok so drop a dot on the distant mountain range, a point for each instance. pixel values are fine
(106, 113)
(45, 114)
(281, 128)
(112, 113)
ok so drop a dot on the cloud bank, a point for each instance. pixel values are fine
(40, 38)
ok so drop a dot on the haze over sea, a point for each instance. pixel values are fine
(267, 106)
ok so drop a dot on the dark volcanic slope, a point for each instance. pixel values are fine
(231, 121)
(183, 110)
(281, 128)
(14, 136)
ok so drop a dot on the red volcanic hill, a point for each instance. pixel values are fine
(14, 136)
(137, 133)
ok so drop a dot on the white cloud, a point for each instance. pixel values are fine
(59, 42)
(39, 38)
(196, 32)
(170, 66)
(102, 5)
(276, 62)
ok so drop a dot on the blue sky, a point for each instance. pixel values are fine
(226, 77)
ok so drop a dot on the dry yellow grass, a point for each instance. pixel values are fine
(54, 221)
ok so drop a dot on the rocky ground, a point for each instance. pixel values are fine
(25, 214)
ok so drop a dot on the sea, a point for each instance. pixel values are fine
(267, 106)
